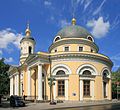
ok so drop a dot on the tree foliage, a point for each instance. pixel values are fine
(4, 77)
(116, 82)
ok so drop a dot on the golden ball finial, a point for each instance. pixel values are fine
(28, 32)
(73, 21)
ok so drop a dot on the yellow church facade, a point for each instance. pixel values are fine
(78, 71)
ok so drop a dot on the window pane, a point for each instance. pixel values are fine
(60, 72)
(66, 49)
(61, 88)
(80, 49)
(86, 72)
(86, 88)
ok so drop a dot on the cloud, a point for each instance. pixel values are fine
(116, 22)
(99, 8)
(63, 23)
(116, 57)
(9, 60)
(8, 36)
(87, 3)
(99, 27)
(47, 3)
(81, 1)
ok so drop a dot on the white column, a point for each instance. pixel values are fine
(81, 90)
(15, 90)
(55, 90)
(40, 82)
(29, 82)
(66, 89)
(11, 85)
(92, 89)
(17, 84)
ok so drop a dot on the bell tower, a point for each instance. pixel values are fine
(27, 45)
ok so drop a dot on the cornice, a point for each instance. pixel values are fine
(82, 56)
(69, 56)
(73, 41)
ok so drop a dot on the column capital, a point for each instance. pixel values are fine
(28, 68)
(40, 64)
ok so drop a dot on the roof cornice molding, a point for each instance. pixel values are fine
(73, 41)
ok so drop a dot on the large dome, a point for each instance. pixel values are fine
(73, 31)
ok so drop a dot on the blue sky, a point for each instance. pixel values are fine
(47, 17)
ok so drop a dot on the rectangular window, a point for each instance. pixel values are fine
(61, 88)
(66, 49)
(86, 87)
(104, 87)
(80, 49)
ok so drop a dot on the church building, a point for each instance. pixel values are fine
(72, 69)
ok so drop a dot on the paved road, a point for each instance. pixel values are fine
(101, 107)
(46, 106)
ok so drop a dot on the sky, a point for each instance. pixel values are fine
(47, 17)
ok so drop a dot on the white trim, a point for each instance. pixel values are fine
(92, 89)
(81, 90)
(66, 89)
(109, 72)
(63, 67)
(89, 67)
(107, 90)
(11, 86)
(40, 82)
(61, 78)
(87, 78)
(16, 84)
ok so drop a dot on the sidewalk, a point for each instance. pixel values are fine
(61, 106)
(70, 104)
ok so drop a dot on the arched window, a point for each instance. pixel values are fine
(87, 72)
(105, 74)
(90, 38)
(30, 49)
(57, 38)
(60, 72)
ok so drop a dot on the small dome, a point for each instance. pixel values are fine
(27, 38)
(28, 34)
(73, 31)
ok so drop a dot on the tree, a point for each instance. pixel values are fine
(4, 78)
(116, 83)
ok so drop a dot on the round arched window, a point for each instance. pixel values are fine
(87, 72)
(90, 38)
(57, 38)
(60, 72)
(105, 74)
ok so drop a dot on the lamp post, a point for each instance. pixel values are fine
(51, 83)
